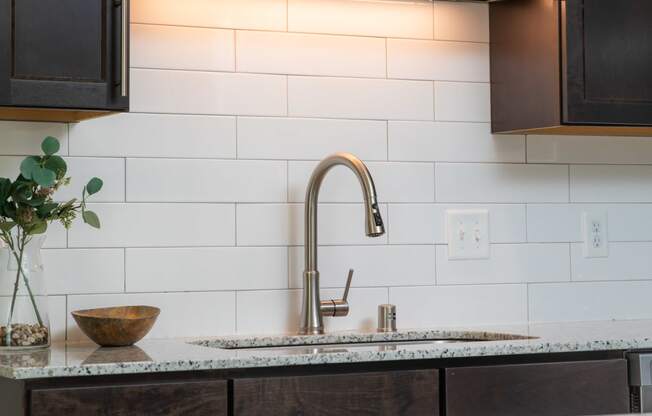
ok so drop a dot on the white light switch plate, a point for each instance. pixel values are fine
(594, 234)
(468, 234)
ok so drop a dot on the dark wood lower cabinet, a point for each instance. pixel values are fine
(555, 389)
(206, 398)
(392, 393)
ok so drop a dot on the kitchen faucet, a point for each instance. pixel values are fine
(314, 308)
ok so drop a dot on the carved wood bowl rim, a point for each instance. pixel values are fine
(116, 326)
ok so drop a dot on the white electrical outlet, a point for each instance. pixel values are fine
(594, 232)
(468, 234)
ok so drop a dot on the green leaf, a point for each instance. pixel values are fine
(94, 186)
(44, 177)
(37, 228)
(91, 219)
(29, 165)
(5, 188)
(7, 226)
(46, 209)
(58, 165)
(50, 145)
(35, 202)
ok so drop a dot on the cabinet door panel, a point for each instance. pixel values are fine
(166, 399)
(403, 393)
(555, 389)
(608, 62)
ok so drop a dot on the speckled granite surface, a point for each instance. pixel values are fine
(85, 359)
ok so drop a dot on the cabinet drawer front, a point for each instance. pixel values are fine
(556, 389)
(169, 399)
(403, 393)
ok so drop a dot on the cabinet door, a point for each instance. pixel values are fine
(165, 399)
(63, 54)
(555, 389)
(608, 62)
(403, 393)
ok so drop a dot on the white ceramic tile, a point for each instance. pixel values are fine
(211, 268)
(509, 263)
(84, 271)
(462, 101)
(150, 180)
(360, 98)
(21, 138)
(589, 149)
(211, 313)
(373, 265)
(306, 138)
(157, 225)
(366, 18)
(195, 92)
(155, 135)
(430, 307)
(395, 182)
(254, 307)
(452, 142)
(57, 315)
(562, 222)
(437, 60)
(591, 301)
(461, 21)
(596, 183)
(283, 224)
(626, 261)
(507, 183)
(171, 47)
(257, 14)
(426, 223)
(57, 237)
(303, 54)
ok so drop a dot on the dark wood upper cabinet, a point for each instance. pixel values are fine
(571, 67)
(63, 60)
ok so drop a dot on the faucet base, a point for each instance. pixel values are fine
(311, 317)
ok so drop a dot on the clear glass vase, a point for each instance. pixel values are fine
(24, 322)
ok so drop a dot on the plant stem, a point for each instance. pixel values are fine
(13, 297)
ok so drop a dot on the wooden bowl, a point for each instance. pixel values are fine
(116, 327)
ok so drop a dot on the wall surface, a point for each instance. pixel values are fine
(234, 102)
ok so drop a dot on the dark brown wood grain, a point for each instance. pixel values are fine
(403, 393)
(555, 389)
(13, 398)
(206, 398)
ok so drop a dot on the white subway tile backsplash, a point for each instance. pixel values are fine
(206, 180)
(423, 307)
(589, 301)
(426, 223)
(461, 21)
(508, 263)
(283, 224)
(206, 268)
(57, 314)
(363, 18)
(589, 149)
(84, 271)
(506, 183)
(252, 14)
(308, 138)
(56, 236)
(462, 101)
(20, 138)
(437, 60)
(373, 265)
(157, 225)
(598, 183)
(170, 47)
(195, 92)
(395, 182)
(626, 261)
(213, 313)
(452, 142)
(360, 98)
(305, 54)
(155, 135)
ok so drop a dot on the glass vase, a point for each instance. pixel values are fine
(24, 322)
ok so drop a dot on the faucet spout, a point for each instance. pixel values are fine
(311, 315)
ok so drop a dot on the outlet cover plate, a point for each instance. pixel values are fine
(594, 234)
(468, 234)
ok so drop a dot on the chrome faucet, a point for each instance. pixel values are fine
(314, 309)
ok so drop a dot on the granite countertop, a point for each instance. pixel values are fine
(152, 356)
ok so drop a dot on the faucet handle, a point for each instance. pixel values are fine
(338, 307)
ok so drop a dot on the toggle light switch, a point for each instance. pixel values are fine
(468, 234)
